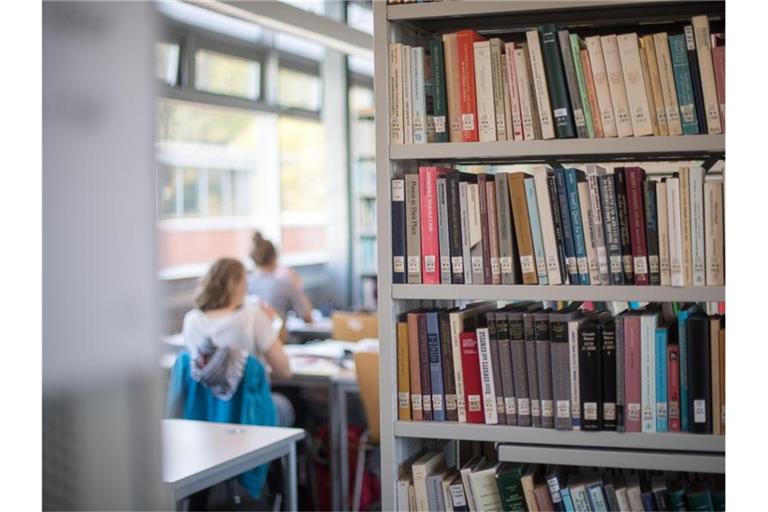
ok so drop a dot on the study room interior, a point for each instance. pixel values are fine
(425, 255)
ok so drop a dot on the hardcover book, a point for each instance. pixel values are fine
(414, 365)
(576, 44)
(678, 53)
(396, 93)
(706, 69)
(399, 231)
(513, 93)
(602, 88)
(418, 98)
(555, 80)
(648, 47)
(573, 85)
(424, 367)
(594, 106)
(538, 75)
(566, 226)
(519, 367)
(496, 46)
(635, 186)
(536, 234)
(560, 355)
(590, 377)
(544, 202)
(517, 200)
(508, 260)
(637, 98)
(446, 353)
(439, 94)
(452, 88)
(532, 368)
(413, 238)
(505, 363)
(616, 85)
(652, 232)
(486, 113)
(693, 66)
(403, 371)
(442, 229)
(434, 347)
(668, 89)
(473, 389)
(465, 40)
(622, 207)
(544, 366)
(611, 228)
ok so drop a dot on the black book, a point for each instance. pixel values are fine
(449, 381)
(519, 367)
(611, 227)
(557, 222)
(622, 207)
(544, 366)
(558, 91)
(590, 381)
(498, 387)
(454, 226)
(532, 367)
(693, 65)
(660, 493)
(398, 231)
(699, 378)
(426, 386)
(652, 231)
(505, 360)
(607, 326)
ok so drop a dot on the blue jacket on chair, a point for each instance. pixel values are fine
(251, 405)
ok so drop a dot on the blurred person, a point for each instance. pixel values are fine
(279, 286)
(222, 318)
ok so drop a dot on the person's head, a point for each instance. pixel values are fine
(223, 286)
(263, 252)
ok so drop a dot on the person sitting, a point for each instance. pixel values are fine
(279, 287)
(223, 320)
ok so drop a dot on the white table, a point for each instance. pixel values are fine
(199, 454)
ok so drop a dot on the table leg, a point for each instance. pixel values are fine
(291, 491)
(343, 448)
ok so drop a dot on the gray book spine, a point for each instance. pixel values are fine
(561, 380)
(507, 258)
(505, 363)
(573, 84)
(442, 231)
(544, 365)
(413, 241)
(532, 369)
(476, 250)
(620, 398)
(610, 493)
(519, 373)
(435, 492)
(465, 252)
(498, 386)
(611, 227)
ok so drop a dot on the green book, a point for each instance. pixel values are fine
(699, 498)
(573, 85)
(677, 496)
(558, 91)
(576, 45)
(439, 104)
(510, 488)
(678, 51)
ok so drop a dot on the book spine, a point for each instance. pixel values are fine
(507, 100)
(640, 114)
(429, 94)
(648, 46)
(611, 228)
(713, 232)
(682, 324)
(544, 366)
(685, 225)
(561, 384)
(446, 351)
(505, 365)
(697, 226)
(519, 369)
(527, 94)
(442, 230)
(648, 89)
(662, 405)
(514, 93)
(482, 192)
(557, 221)
(699, 368)
(608, 369)
(486, 115)
(567, 230)
(616, 85)
(396, 93)
(666, 75)
(418, 99)
(522, 227)
(407, 94)
(621, 401)
(532, 368)
(693, 65)
(675, 232)
(452, 87)
(493, 231)
(540, 85)
(430, 243)
(424, 367)
(465, 246)
(498, 88)
(413, 239)
(457, 326)
(706, 69)
(673, 392)
(454, 228)
(472, 382)
(435, 366)
(589, 353)
(635, 177)
(652, 232)
(718, 59)
(663, 225)
(632, 374)
(558, 92)
(598, 226)
(594, 106)
(573, 86)
(549, 240)
(475, 233)
(414, 366)
(398, 231)
(648, 371)
(682, 75)
(622, 207)
(575, 45)
(467, 89)
(602, 88)
(498, 386)
(486, 376)
(538, 241)
(507, 260)
(714, 352)
(439, 103)
(589, 233)
(403, 373)
(573, 354)
(574, 209)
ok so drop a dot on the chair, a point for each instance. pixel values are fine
(367, 368)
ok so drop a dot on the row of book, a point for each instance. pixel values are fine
(482, 483)
(465, 88)
(642, 370)
(561, 226)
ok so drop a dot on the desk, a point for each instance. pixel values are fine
(319, 328)
(199, 454)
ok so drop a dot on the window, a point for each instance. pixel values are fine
(226, 74)
(298, 90)
(167, 63)
(193, 192)
(360, 16)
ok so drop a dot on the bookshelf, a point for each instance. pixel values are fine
(399, 439)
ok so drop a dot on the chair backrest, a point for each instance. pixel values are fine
(367, 368)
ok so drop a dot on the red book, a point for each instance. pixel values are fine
(465, 43)
(473, 388)
(673, 386)
(636, 209)
(632, 361)
(718, 59)
(430, 241)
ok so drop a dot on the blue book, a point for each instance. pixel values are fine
(682, 320)
(555, 483)
(567, 501)
(572, 179)
(565, 221)
(435, 366)
(679, 53)
(648, 502)
(538, 240)
(662, 334)
(597, 500)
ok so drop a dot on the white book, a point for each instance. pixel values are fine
(395, 93)
(497, 81)
(540, 85)
(418, 99)
(675, 232)
(456, 320)
(598, 233)
(411, 497)
(465, 247)
(616, 85)
(530, 117)
(508, 122)
(667, 77)
(446, 488)
(589, 235)
(707, 73)
(475, 233)
(622, 499)
(466, 471)
(648, 323)
(513, 93)
(540, 173)
(573, 358)
(401, 492)
(663, 224)
(656, 127)
(602, 89)
(452, 96)
(697, 226)
(407, 96)
(486, 116)
(713, 231)
(486, 376)
(639, 109)
(422, 468)
(484, 489)
(537, 238)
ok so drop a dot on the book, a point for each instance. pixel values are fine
(590, 377)
(407, 94)
(396, 135)
(507, 239)
(576, 44)
(573, 85)
(484, 489)
(608, 367)
(555, 483)
(452, 88)
(465, 472)
(398, 231)
(693, 66)
(597, 499)
(673, 383)
(403, 371)
(699, 497)
(536, 234)
(493, 230)
(602, 87)
(517, 349)
(453, 200)
(429, 236)
(648, 47)
(486, 114)
(517, 198)
(538, 75)
(420, 469)
(486, 376)
(459, 501)
(465, 40)
(588, 227)
(572, 178)
(513, 93)
(544, 200)
(566, 225)
(424, 367)
(632, 374)
(532, 367)
(434, 347)
(446, 353)
(714, 235)
(475, 231)
(598, 230)
(683, 84)
(663, 335)
(707, 72)
(579, 495)
(505, 364)
(675, 232)
(648, 88)
(685, 223)
(611, 227)
(648, 323)
(663, 227)
(616, 85)
(543, 499)
(721, 347)
(555, 81)
(660, 493)
(618, 326)
(594, 106)
(560, 357)
(401, 491)
(482, 179)
(667, 78)
(439, 90)
(714, 352)
(557, 221)
(435, 497)
(497, 80)
(413, 237)
(652, 232)
(639, 110)
(622, 207)
(418, 98)
(508, 481)
(696, 191)
(527, 482)
(718, 61)
(528, 109)
(544, 367)
(473, 390)
(634, 493)
(498, 386)
(465, 240)
(414, 365)
(443, 230)
(635, 177)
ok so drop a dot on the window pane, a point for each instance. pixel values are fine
(167, 191)
(216, 205)
(190, 192)
(193, 123)
(360, 16)
(167, 63)
(242, 183)
(302, 165)
(298, 90)
(226, 74)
